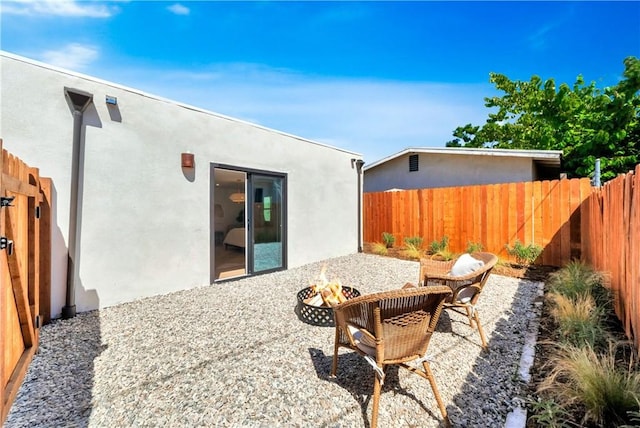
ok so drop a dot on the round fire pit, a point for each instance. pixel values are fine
(320, 315)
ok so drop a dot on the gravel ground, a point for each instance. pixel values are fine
(236, 354)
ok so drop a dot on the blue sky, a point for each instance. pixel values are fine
(371, 77)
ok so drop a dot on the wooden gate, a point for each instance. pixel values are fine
(24, 269)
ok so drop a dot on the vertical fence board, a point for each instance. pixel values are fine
(536, 224)
(463, 195)
(23, 272)
(555, 225)
(624, 268)
(33, 253)
(520, 219)
(634, 256)
(481, 231)
(511, 214)
(527, 213)
(444, 198)
(465, 227)
(46, 187)
(566, 211)
(503, 209)
(546, 221)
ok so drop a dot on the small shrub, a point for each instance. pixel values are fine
(389, 239)
(473, 247)
(414, 241)
(379, 248)
(581, 376)
(412, 252)
(579, 320)
(524, 254)
(437, 246)
(547, 413)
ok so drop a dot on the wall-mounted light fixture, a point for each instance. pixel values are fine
(187, 160)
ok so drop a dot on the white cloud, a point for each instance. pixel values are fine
(73, 56)
(179, 9)
(374, 117)
(58, 8)
(542, 36)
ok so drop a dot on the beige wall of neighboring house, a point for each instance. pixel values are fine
(145, 223)
(447, 167)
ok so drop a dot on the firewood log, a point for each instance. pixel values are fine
(315, 300)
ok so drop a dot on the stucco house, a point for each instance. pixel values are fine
(430, 167)
(153, 196)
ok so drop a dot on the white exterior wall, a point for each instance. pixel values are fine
(447, 170)
(145, 226)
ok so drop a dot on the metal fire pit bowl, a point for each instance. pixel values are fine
(320, 315)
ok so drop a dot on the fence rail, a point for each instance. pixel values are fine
(25, 269)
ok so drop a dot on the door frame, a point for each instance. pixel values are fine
(249, 215)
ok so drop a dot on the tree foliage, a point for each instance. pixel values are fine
(583, 121)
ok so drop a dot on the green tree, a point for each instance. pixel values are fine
(583, 121)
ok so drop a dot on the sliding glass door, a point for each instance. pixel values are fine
(247, 222)
(266, 222)
(228, 224)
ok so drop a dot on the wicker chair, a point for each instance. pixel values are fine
(466, 288)
(392, 327)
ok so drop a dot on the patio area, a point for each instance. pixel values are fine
(236, 354)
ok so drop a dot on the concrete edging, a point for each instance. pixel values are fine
(517, 418)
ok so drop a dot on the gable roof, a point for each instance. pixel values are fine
(547, 158)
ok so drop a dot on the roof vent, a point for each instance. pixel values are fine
(413, 163)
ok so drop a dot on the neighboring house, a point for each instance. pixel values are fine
(157, 187)
(429, 167)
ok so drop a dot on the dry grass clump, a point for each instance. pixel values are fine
(412, 251)
(593, 383)
(579, 320)
(379, 248)
(576, 278)
(590, 382)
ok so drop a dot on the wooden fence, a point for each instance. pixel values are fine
(568, 218)
(611, 244)
(545, 213)
(25, 269)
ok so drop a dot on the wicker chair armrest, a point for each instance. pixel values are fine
(468, 277)
(436, 267)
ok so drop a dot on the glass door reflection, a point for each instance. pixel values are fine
(267, 222)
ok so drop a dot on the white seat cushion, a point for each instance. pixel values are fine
(362, 340)
(465, 265)
(466, 294)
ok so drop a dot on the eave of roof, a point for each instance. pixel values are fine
(36, 63)
(548, 157)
